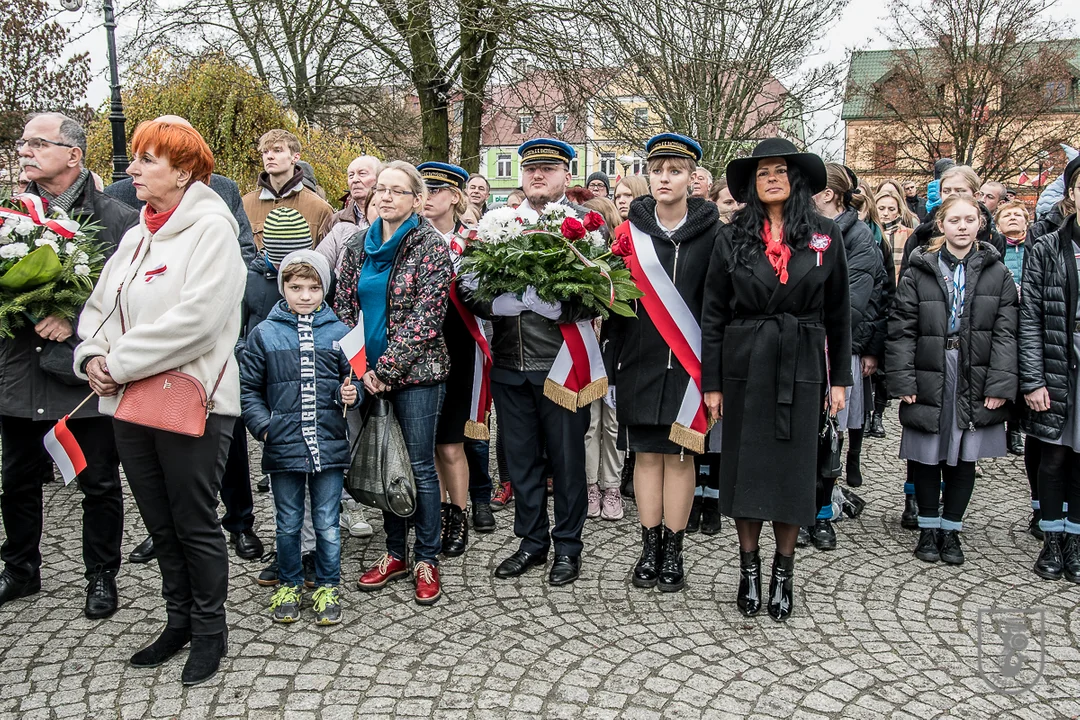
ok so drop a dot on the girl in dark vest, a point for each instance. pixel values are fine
(655, 361)
(777, 290)
(951, 359)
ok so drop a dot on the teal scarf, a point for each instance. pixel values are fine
(371, 290)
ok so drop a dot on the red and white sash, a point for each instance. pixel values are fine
(676, 324)
(35, 212)
(577, 377)
(480, 404)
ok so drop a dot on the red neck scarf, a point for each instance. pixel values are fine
(154, 220)
(777, 252)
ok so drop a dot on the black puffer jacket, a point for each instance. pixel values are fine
(866, 276)
(915, 354)
(1048, 223)
(1047, 319)
(650, 380)
(926, 232)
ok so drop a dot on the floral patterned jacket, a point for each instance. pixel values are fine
(418, 291)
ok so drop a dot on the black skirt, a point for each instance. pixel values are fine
(649, 439)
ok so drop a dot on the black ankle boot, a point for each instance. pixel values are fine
(877, 427)
(693, 523)
(457, 534)
(854, 473)
(910, 519)
(853, 504)
(823, 535)
(1033, 525)
(1051, 561)
(444, 517)
(749, 599)
(204, 658)
(782, 587)
(648, 565)
(952, 552)
(1071, 558)
(671, 577)
(929, 547)
(171, 641)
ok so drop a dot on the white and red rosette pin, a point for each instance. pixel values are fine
(819, 243)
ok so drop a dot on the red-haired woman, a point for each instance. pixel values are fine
(169, 299)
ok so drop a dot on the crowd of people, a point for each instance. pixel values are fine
(783, 303)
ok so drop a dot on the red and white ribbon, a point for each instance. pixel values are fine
(677, 326)
(480, 403)
(35, 210)
(577, 377)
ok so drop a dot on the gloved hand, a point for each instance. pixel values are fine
(469, 282)
(532, 301)
(508, 305)
(609, 399)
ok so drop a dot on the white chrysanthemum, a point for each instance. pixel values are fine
(69, 248)
(25, 227)
(82, 258)
(82, 270)
(14, 250)
(596, 239)
(499, 225)
(42, 242)
(555, 210)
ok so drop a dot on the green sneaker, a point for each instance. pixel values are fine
(326, 602)
(285, 604)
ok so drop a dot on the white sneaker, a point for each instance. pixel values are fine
(593, 496)
(352, 519)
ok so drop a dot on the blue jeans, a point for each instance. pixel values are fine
(417, 409)
(289, 489)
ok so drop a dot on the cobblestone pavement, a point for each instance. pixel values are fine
(876, 633)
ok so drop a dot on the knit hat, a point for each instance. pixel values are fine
(285, 230)
(310, 257)
(602, 177)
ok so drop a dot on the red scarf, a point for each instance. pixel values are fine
(154, 220)
(777, 252)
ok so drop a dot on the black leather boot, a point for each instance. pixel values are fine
(204, 658)
(749, 600)
(1016, 441)
(928, 549)
(782, 587)
(1051, 561)
(1033, 525)
(171, 641)
(648, 565)
(853, 504)
(671, 577)
(444, 517)
(101, 596)
(1071, 558)
(710, 516)
(457, 534)
(877, 426)
(854, 472)
(693, 523)
(823, 535)
(626, 479)
(951, 551)
(910, 519)
(803, 540)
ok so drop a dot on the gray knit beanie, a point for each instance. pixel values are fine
(306, 257)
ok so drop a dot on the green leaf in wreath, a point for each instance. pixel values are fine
(37, 268)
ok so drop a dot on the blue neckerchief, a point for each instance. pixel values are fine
(371, 289)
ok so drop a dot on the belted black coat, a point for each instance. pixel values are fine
(763, 346)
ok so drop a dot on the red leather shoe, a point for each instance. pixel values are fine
(428, 588)
(387, 569)
(502, 497)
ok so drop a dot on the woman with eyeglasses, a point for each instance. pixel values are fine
(396, 277)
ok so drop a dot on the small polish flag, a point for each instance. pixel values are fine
(353, 347)
(65, 450)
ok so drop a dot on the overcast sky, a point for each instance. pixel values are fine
(856, 29)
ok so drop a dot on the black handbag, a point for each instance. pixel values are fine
(381, 475)
(830, 448)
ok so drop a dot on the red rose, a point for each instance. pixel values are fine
(572, 229)
(593, 221)
(622, 246)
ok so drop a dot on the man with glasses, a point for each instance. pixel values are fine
(38, 387)
(525, 341)
(915, 203)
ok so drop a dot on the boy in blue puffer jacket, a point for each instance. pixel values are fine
(294, 384)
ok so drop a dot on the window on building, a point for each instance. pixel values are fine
(459, 111)
(574, 167)
(641, 117)
(607, 119)
(560, 123)
(607, 164)
(524, 123)
(503, 167)
(638, 166)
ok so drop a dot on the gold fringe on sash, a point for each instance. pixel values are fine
(687, 438)
(593, 391)
(477, 431)
(561, 395)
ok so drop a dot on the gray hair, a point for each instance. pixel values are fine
(71, 131)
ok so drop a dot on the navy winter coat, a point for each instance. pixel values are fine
(302, 421)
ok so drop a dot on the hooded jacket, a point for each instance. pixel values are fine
(918, 328)
(259, 202)
(178, 292)
(866, 275)
(300, 418)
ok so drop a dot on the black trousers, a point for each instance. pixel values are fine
(175, 480)
(959, 485)
(1032, 459)
(476, 454)
(1059, 482)
(526, 420)
(27, 467)
(236, 484)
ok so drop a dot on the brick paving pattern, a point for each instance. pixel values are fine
(876, 633)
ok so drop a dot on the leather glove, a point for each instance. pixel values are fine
(532, 301)
(508, 305)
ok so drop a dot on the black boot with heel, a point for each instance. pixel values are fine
(749, 599)
(648, 564)
(782, 587)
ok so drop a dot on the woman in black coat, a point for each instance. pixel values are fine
(1049, 353)
(777, 290)
(867, 279)
(666, 241)
(951, 359)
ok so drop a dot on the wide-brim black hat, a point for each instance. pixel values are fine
(740, 170)
(1070, 173)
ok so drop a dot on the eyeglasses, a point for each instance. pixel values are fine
(396, 192)
(39, 143)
